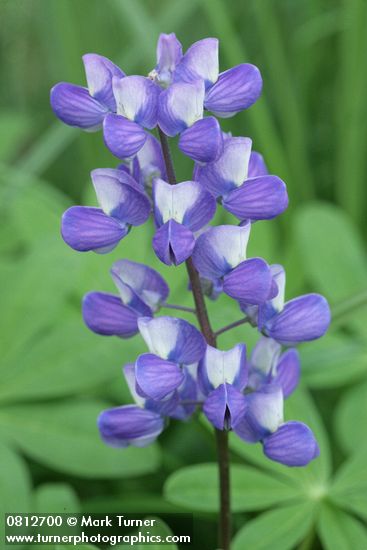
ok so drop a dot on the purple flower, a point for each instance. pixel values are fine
(256, 165)
(169, 54)
(269, 365)
(174, 344)
(220, 255)
(141, 292)
(199, 62)
(222, 376)
(302, 319)
(137, 108)
(164, 408)
(181, 109)
(179, 211)
(140, 287)
(122, 205)
(138, 425)
(124, 105)
(129, 425)
(194, 83)
(227, 93)
(86, 108)
(299, 320)
(240, 179)
(106, 314)
(291, 443)
(148, 164)
(187, 394)
(273, 305)
(203, 141)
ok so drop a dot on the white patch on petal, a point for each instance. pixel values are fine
(267, 407)
(129, 373)
(265, 354)
(278, 274)
(173, 201)
(233, 244)
(185, 101)
(151, 298)
(130, 94)
(223, 366)
(109, 190)
(159, 334)
(203, 59)
(232, 166)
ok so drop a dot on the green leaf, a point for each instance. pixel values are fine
(131, 502)
(279, 529)
(44, 206)
(349, 489)
(196, 487)
(340, 531)
(313, 478)
(32, 298)
(63, 361)
(64, 436)
(263, 242)
(300, 406)
(333, 251)
(348, 421)
(333, 360)
(15, 485)
(56, 498)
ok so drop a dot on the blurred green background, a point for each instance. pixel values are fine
(310, 125)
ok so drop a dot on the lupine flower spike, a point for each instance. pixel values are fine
(182, 369)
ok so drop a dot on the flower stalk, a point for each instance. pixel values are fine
(210, 337)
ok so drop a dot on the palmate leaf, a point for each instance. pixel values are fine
(32, 298)
(64, 436)
(64, 360)
(340, 531)
(279, 529)
(15, 484)
(333, 360)
(131, 503)
(348, 421)
(333, 251)
(34, 205)
(349, 489)
(56, 498)
(196, 488)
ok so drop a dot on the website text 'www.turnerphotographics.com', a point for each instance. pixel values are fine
(106, 530)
